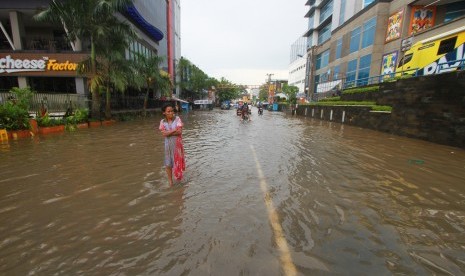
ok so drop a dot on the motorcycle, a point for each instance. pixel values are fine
(260, 110)
(245, 116)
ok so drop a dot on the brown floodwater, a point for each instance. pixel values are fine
(279, 195)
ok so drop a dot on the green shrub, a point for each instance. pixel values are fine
(79, 116)
(381, 108)
(361, 90)
(14, 114)
(13, 117)
(337, 103)
(331, 99)
(46, 121)
(373, 105)
(22, 97)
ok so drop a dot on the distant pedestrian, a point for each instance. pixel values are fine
(171, 129)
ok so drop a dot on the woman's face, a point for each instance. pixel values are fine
(169, 112)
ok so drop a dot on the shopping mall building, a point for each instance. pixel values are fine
(38, 55)
(354, 42)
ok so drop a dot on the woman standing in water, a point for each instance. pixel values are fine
(171, 129)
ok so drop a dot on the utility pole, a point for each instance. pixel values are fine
(311, 60)
(269, 77)
(270, 89)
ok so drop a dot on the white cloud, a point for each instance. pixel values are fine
(248, 76)
(241, 40)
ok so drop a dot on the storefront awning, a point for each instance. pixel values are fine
(155, 33)
(179, 100)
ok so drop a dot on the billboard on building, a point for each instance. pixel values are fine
(394, 28)
(388, 65)
(422, 18)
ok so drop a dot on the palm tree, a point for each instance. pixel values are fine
(148, 70)
(112, 70)
(87, 19)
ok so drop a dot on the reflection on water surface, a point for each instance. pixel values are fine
(348, 201)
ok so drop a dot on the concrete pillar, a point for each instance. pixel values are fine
(22, 82)
(80, 86)
(77, 45)
(17, 31)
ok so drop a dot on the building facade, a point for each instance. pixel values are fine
(298, 64)
(38, 55)
(352, 42)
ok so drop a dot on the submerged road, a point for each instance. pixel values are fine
(279, 195)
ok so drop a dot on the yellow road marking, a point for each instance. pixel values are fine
(285, 257)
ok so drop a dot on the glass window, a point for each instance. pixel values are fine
(322, 60)
(318, 62)
(336, 71)
(351, 71)
(342, 12)
(326, 11)
(324, 77)
(355, 40)
(309, 42)
(369, 28)
(338, 48)
(310, 21)
(315, 83)
(447, 45)
(324, 34)
(367, 2)
(364, 70)
(454, 10)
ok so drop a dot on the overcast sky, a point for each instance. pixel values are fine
(241, 40)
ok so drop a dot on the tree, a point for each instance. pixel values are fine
(227, 90)
(263, 93)
(112, 71)
(92, 20)
(291, 93)
(194, 82)
(184, 69)
(148, 70)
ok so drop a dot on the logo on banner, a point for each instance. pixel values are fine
(12, 65)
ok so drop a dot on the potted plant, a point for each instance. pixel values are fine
(77, 120)
(49, 125)
(82, 117)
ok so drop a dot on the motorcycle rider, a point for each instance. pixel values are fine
(260, 108)
(245, 111)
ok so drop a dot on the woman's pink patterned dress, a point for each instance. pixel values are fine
(174, 149)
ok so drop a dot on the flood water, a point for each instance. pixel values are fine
(279, 195)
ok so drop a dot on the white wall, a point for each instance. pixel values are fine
(297, 71)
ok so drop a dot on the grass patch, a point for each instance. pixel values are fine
(361, 90)
(370, 104)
